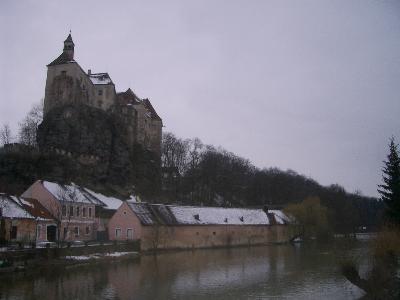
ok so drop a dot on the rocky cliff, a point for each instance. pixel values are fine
(88, 146)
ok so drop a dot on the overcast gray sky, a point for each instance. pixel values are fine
(312, 86)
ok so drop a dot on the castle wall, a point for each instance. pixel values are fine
(104, 96)
(67, 84)
(155, 133)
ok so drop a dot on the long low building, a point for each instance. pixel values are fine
(160, 226)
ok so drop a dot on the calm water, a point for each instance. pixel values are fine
(270, 272)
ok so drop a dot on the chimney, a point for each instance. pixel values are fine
(89, 72)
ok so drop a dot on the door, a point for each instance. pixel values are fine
(51, 233)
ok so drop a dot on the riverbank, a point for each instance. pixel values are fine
(23, 260)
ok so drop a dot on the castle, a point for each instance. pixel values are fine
(68, 84)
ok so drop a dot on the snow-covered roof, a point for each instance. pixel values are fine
(75, 193)
(110, 202)
(219, 215)
(100, 78)
(10, 208)
(280, 217)
(150, 214)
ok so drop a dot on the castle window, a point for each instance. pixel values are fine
(100, 92)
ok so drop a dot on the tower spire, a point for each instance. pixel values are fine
(69, 46)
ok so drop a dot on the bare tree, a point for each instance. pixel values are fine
(174, 152)
(5, 135)
(3, 206)
(29, 125)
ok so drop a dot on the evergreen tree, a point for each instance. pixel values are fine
(390, 189)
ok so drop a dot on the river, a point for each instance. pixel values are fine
(301, 271)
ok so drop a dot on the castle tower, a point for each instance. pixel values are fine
(69, 47)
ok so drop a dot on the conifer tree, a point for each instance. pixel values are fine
(390, 189)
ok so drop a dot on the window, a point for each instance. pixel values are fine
(117, 232)
(38, 230)
(100, 92)
(76, 231)
(64, 73)
(90, 212)
(87, 231)
(1, 211)
(129, 234)
(13, 232)
(64, 210)
(71, 211)
(84, 212)
(65, 232)
(78, 211)
(214, 233)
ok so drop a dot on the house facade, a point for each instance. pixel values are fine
(76, 209)
(24, 220)
(160, 226)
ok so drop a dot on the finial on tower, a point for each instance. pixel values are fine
(69, 46)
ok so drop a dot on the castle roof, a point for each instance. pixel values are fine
(100, 78)
(151, 109)
(62, 59)
(128, 97)
(69, 39)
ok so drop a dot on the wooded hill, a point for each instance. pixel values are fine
(191, 173)
(197, 174)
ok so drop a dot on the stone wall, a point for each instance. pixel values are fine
(209, 236)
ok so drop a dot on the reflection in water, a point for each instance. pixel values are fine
(279, 272)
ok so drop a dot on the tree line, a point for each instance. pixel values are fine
(199, 174)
